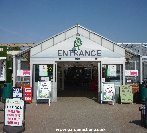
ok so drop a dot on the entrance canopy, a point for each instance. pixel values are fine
(77, 42)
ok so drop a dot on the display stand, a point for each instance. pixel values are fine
(14, 115)
(44, 91)
(108, 92)
(126, 95)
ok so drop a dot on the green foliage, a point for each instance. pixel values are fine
(3, 51)
(9, 71)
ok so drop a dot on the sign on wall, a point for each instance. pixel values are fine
(44, 89)
(43, 70)
(14, 112)
(17, 92)
(111, 70)
(131, 72)
(23, 73)
(27, 94)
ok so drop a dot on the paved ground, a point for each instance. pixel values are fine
(77, 110)
(81, 113)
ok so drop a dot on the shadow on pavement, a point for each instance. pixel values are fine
(136, 122)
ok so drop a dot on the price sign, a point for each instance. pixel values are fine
(14, 112)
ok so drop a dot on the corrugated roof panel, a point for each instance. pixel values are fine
(107, 44)
(47, 44)
(59, 38)
(36, 50)
(95, 38)
(71, 32)
(83, 32)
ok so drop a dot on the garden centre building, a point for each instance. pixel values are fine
(77, 59)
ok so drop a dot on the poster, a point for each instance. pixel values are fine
(43, 71)
(111, 70)
(27, 94)
(14, 112)
(108, 91)
(17, 92)
(44, 89)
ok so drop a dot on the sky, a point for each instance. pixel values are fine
(32, 21)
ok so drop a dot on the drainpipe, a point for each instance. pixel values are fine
(14, 70)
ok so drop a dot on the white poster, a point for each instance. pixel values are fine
(44, 89)
(111, 70)
(43, 70)
(108, 91)
(14, 112)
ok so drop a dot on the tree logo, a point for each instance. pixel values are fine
(77, 43)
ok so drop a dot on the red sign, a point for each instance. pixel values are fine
(131, 72)
(28, 94)
(134, 73)
(26, 72)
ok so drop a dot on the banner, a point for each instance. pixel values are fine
(14, 112)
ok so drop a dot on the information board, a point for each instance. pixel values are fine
(108, 92)
(27, 94)
(44, 89)
(14, 112)
(17, 92)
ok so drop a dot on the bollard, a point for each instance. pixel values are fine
(143, 115)
(146, 112)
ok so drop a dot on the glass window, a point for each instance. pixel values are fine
(43, 72)
(112, 73)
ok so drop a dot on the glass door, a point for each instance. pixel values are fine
(45, 73)
(113, 73)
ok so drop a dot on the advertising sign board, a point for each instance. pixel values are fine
(14, 112)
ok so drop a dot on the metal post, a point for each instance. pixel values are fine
(62, 77)
(141, 69)
(14, 70)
